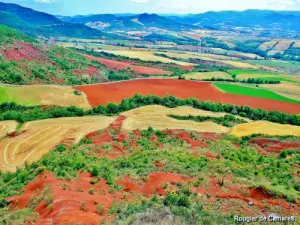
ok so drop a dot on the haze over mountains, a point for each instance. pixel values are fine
(37, 23)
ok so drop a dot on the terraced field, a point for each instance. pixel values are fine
(266, 128)
(39, 137)
(7, 127)
(43, 95)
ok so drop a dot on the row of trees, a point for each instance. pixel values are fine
(248, 81)
(12, 111)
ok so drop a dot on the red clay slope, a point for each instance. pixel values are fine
(121, 65)
(204, 91)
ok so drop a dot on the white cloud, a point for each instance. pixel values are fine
(140, 1)
(197, 6)
(45, 1)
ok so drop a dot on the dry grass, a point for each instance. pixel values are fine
(44, 95)
(264, 127)
(296, 44)
(210, 57)
(267, 45)
(207, 75)
(157, 117)
(40, 137)
(287, 89)
(283, 45)
(146, 56)
(7, 127)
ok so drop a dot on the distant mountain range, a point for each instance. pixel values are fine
(104, 25)
(224, 20)
(36, 23)
(124, 22)
(267, 19)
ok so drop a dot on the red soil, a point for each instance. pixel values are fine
(121, 65)
(189, 68)
(204, 91)
(24, 51)
(194, 142)
(67, 198)
(275, 146)
(91, 71)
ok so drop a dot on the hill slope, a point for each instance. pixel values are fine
(36, 23)
(135, 22)
(249, 18)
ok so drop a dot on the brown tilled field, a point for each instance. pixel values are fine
(39, 137)
(102, 94)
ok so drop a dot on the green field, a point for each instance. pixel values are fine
(252, 72)
(263, 75)
(277, 64)
(9, 94)
(253, 92)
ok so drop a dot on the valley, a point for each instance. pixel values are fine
(148, 118)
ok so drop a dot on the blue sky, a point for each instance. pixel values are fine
(83, 7)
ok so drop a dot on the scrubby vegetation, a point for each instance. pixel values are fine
(12, 111)
(275, 174)
(227, 120)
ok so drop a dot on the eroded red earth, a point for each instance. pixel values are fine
(267, 146)
(78, 200)
(24, 51)
(122, 65)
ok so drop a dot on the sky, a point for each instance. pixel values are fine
(84, 7)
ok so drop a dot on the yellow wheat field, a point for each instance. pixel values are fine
(44, 95)
(264, 127)
(146, 56)
(207, 75)
(7, 127)
(287, 89)
(39, 137)
(208, 57)
(283, 45)
(157, 117)
(268, 45)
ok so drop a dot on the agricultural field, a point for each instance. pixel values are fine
(147, 118)
(146, 55)
(285, 89)
(265, 75)
(207, 57)
(34, 139)
(253, 92)
(207, 75)
(7, 127)
(102, 94)
(157, 117)
(122, 173)
(43, 95)
(279, 65)
(266, 128)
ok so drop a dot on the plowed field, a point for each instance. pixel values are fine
(7, 127)
(204, 91)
